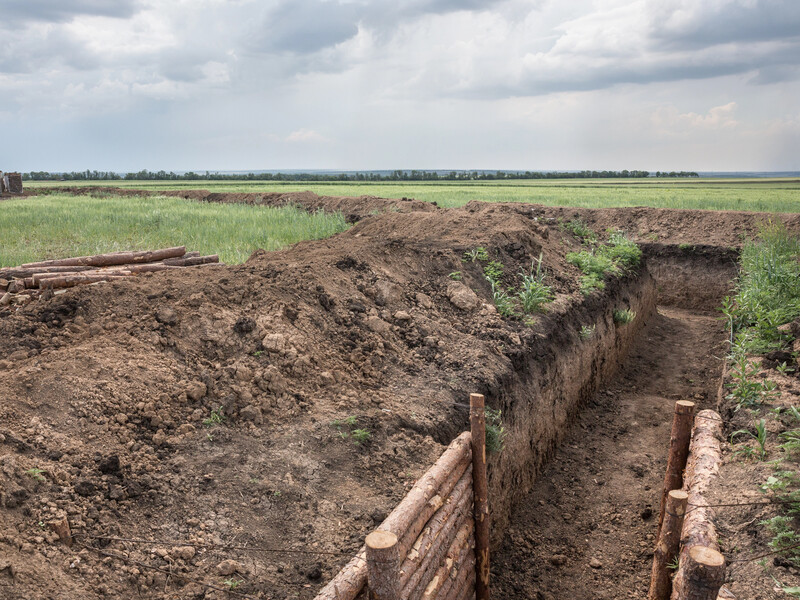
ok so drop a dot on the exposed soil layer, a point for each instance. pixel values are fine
(586, 531)
(214, 407)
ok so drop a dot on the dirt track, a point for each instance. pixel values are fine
(107, 390)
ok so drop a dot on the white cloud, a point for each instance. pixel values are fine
(306, 136)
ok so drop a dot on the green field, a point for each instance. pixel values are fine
(769, 195)
(51, 226)
(59, 225)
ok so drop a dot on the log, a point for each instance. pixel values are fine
(112, 258)
(453, 561)
(465, 561)
(20, 272)
(37, 279)
(668, 544)
(73, 280)
(477, 419)
(382, 563)
(701, 469)
(192, 261)
(434, 544)
(679, 440)
(434, 504)
(702, 575)
(349, 582)
(150, 268)
(465, 585)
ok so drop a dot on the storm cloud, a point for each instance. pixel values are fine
(414, 73)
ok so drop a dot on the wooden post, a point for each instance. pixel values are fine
(477, 420)
(678, 451)
(383, 563)
(669, 541)
(703, 575)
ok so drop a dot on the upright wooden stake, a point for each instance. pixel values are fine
(477, 420)
(669, 540)
(703, 575)
(678, 451)
(383, 564)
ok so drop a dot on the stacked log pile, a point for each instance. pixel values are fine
(21, 284)
(425, 548)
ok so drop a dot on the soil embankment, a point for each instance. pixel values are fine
(216, 408)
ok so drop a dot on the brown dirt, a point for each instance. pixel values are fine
(105, 389)
(598, 499)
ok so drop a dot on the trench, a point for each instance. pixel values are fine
(585, 529)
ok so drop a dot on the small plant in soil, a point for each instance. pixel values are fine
(493, 271)
(784, 537)
(502, 301)
(476, 254)
(586, 332)
(784, 369)
(580, 229)
(360, 436)
(623, 317)
(791, 442)
(495, 430)
(232, 584)
(745, 390)
(533, 291)
(760, 436)
(216, 418)
(455, 276)
(36, 474)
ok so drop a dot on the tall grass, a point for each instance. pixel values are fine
(41, 227)
(768, 289)
(718, 194)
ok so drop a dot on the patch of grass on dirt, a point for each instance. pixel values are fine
(616, 257)
(768, 290)
(495, 430)
(55, 226)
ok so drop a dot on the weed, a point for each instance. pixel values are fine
(502, 301)
(580, 229)
(784, 369)
(346, 429)
(745, 390)
(257, 353)
(533, 291)
(476, 254)
(233, 583)
(493, 271)
(587, 332)
(791, 441)
(760, 436)
(623, 317)
(590, 283)
(674, 564)
(684, 247)
(360, 436)
(35, 474)
(616, 257)
(495, 430)
(455, 276)
(784, 536)
(216, 418)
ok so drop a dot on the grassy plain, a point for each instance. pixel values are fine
(768, 195)
(59, 225)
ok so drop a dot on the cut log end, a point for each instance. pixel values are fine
(381, 540)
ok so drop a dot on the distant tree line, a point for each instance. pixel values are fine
(398, 175)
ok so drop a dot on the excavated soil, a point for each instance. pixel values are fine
(200, 426)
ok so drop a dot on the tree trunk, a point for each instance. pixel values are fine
(112, 258)
(669, 540)
(679, 440)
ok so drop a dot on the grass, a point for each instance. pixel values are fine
(623, 317)
(495, 431)
(768, 195)
(533, 293)
(618, 256)
(54, 226)
(760, 436)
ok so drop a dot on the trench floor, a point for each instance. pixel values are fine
(586, 531)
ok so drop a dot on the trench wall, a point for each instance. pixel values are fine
(540, 399)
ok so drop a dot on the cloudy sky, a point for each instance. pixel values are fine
(383, 84)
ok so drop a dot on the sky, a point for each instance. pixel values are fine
(124, 85)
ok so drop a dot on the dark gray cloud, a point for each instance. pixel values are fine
(65, 10)
(702, 24)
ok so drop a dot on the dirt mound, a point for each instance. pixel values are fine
(353, 208)
(198, 406)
